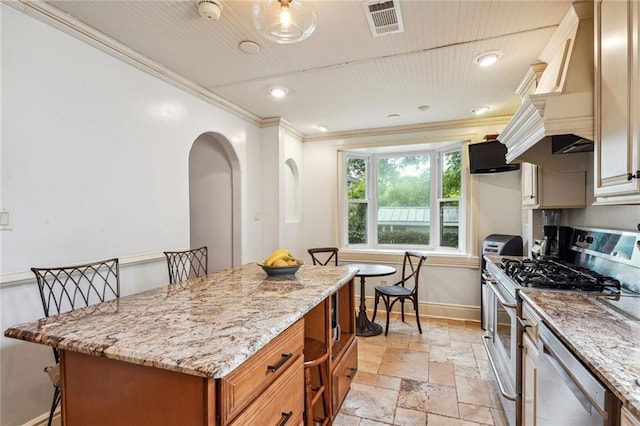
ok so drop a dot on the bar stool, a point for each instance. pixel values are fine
(316, 354)
(187, 264)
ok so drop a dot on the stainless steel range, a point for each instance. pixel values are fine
(596, 261)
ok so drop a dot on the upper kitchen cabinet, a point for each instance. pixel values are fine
(617, 102)
(544, 188)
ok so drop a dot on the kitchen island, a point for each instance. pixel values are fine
(221, 349)
(604, 338)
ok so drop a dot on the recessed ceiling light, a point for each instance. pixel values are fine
(423, 108)
(479, 110)
(278, 91)
(248, 46)
(487, 58)
(393, 115)
(322, 127)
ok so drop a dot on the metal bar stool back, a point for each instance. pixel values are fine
(67, 288)
(187, 264)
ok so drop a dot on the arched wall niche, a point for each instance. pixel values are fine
(292, 191)
(214, 200)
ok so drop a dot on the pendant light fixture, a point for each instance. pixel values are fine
(284, 21)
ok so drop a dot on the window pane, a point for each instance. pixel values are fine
(449, 223)
(451, 174)
(356, 179)
(357, 223)
(403, 191)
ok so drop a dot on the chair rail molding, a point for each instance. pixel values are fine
(20, 278)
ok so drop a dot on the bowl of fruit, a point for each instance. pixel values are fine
(281, 263)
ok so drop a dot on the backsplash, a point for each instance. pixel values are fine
(608, 217)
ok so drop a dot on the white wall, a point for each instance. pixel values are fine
(94, 164)
(499, 201)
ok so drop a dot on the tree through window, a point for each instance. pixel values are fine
(389, 199)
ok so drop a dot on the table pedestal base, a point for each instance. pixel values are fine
(364, 327)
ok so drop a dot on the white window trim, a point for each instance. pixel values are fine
(464, 256)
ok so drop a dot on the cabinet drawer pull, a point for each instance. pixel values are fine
(285, 418)
(635, 175)
(285, 358)
(351, 375)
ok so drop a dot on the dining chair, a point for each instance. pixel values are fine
(324, 255)
(67, 288)
(399, 291)
(186, 264)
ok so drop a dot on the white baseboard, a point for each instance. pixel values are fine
(434, 310)
(43, 419)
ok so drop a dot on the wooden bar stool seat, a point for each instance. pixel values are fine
(316, 354)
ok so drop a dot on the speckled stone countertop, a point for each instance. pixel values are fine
(205, 326)
(605, 339)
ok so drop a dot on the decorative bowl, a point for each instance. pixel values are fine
(280, 271)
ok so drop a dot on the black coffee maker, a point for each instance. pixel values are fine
(551, 230)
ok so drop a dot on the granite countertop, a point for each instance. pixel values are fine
(204, 326)
(605, 339)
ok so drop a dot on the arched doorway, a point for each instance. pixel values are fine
(214, 206)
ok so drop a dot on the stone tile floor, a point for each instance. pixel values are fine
(440, 377)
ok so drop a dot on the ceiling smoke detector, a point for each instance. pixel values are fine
(209, 9)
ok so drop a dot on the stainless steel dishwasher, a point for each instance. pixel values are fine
(568, 393)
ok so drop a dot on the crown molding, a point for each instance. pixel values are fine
(413, 128)
(282, 123)
(54, 17)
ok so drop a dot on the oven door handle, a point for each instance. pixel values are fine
(563, 372)
(500, 297)
(503, 391)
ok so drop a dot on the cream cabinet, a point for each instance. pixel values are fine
(617, 102)
(529, 365)
(628, 419)
(546, 188)
(529, 381)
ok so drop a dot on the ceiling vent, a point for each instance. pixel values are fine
(384, 17)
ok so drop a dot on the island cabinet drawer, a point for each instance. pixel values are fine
(343, 374)
(282, 403)
(246, 382)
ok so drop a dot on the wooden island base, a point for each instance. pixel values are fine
(268, 388)
(101, 391)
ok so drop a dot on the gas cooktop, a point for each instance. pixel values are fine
(556, 274)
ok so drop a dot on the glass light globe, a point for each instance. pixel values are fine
(284, 21)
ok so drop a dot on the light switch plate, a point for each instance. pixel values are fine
(5, 220)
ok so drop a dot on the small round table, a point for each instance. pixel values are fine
(364, 327)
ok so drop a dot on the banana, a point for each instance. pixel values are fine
(278, 254)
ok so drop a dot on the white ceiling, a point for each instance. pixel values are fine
(342, 76)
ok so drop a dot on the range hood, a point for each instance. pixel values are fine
(555, 121)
